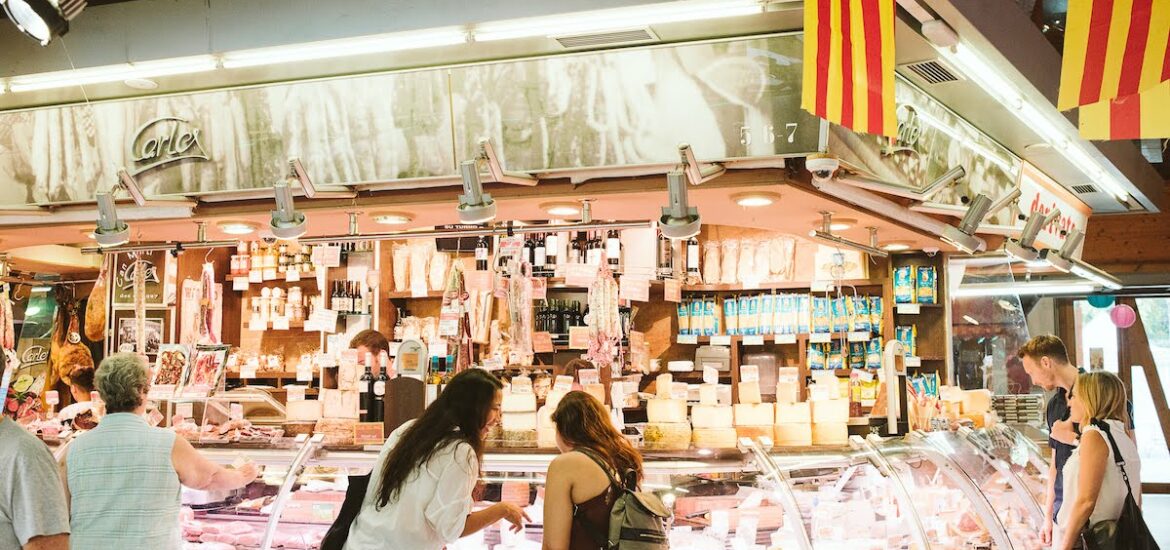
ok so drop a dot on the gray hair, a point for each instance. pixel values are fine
(122, 379)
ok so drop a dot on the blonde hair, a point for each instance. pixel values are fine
(1103, 395)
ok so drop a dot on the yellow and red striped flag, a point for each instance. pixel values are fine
(1113, 49)
(1137, 116)
(849, 64)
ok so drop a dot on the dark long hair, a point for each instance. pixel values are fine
(457, 415)
(583, 421)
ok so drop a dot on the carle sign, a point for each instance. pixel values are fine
(163, 141)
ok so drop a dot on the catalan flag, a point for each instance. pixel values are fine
(849, 64)
(1113, 49)
(1145, 115)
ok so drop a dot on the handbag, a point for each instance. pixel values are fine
(1129, 530)
(338, 532)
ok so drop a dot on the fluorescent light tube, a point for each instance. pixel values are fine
(1022, 289)
(344, 47)
(614, 19)
(1090, 273)
(112, 73)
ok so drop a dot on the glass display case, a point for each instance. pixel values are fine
(940, 490)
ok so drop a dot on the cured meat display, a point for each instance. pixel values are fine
(208, 304)
(172, 365)
(7, 330)
(95, 308)
(604, 319)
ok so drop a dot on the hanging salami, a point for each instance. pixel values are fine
(604, 319)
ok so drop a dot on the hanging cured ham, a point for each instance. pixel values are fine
(95, 309)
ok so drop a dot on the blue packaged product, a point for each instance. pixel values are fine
(816, 357)
(836, 357)
(731, 315)
(698, 318)
(873, 354)
(684, 318)
(745, 314)
(859, 313)
(840, 315)
(926, 284)
(904, 285)
(857, 355)
(767, 313)
(803, 314)
(711, 323)
(753, 327)
(907, 335)
(821, 316)
(876, 317)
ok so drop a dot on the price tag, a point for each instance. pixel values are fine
(257, 324)
(710, 375)
(438, 348)
(581, 275)
(579, 338)
(280, 323)
(564, 383)
(239, 283)
(785, 339)
(304, 373)
(327, 256)
(859, 336)
(478, 280)
(751, 284)
(269, 274)
(295, 393)
(913, 361)
(493, 363)
(449, 323)
(324, 320)
(821, 286)
(539, 288)
(749, 373)
(292, 275)
(368, 433)
(637, 339)
(909, 309)
(721, 340)
(52, 397)
(687, 339)
(185, 409)
(678, 390)
(521, 385)
(511, 246)
(589, 376)
(249, 368)
(418, 289)
(820, 338)
(756, 340)
(635, 290)
(154, 418)
(542, 342)
(237, 411)
(256, 276)
(672, 290)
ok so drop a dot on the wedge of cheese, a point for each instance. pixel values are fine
(830, 411)
(749, 393)
(666, 411)
(518, 402)
(712, 416)
(793, 413)
(519, 421)
(758, 414)
(754, 431)
(709, 394)
(663, 385)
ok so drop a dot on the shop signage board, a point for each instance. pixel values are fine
(157, 279)
(30, 376)
(1041, 194)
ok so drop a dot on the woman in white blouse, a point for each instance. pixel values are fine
(420, 494)
(1094, 489)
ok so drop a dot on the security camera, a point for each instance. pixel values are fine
(822, 167)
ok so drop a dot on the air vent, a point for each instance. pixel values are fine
(932, 72)
(607, 39)
(1085, 189)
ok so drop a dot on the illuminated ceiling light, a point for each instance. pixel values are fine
(43, 20)
(632, 17)
(1090, 273)
(287, 223)
(842, 224)
(895, 246)
(475, 206)
(344, 47)
(1023, 289)
(755, 199)
(963, 236)
(237, 227)
(391, 218)
(110, 231)
(1023, 249)
(112, 73)
(562, 209)
(679, 220)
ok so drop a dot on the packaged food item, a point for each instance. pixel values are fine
(710, 318)
(873, 354)
(696, 317)
(731, 315)
(857, 355)
(859, 313)
(803, 314)
(839, 315)
(816, 357)
(926, 284)
(763, 259)
(780, 258)
(876, 315)
(767, 305)
(753, 327)
(836, 358)
(747, 262)
(711, 273)
(904, 285)
(400, 252)
(780, 315)
(908, 335)
(741, 307)
(684, 318)
(729, 270)
(821, 315)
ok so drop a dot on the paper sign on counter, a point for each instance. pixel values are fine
(820, 338)
(542, 342)
(635, 290)
(369, 433)
(578, 337)
(756, 340)
(324, 320)
(295, 393)
(672, 290)
(539, 288)
(239, 283)
(687, 339)
(721, 340)
(581, 275)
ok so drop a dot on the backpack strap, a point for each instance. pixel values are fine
(1117, 458)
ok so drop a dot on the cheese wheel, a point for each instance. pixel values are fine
(667, 436)
(519, 402)
(793, 435)
(666, 411)
(519, 421)
(519, 438)
(830, 433)
(793, 413)
(754, 431)
(758, 414)
(709, 394)
(711, 416)
(749, 392)
(714, 438)
(830, 411)
(663, 385)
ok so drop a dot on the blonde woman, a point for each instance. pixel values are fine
(1094, 488)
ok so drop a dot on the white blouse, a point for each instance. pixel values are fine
(431, 507)
(1112, 494)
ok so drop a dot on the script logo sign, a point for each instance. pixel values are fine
(163, 141)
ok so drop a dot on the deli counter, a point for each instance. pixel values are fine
(970, 489)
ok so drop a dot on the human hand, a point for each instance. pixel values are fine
(513, 514)
(1046, 533)
(248, 472)
(1062, 431)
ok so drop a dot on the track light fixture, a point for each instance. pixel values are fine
(1062, 260)
(825, 234)
(130, 184)
(1022, 249)
(297, 174)
(287, 223)
(43, 20)
(475, 206)
(110, 231)
(695, 172)
(963, 236)
(679, 220)
(496, 169)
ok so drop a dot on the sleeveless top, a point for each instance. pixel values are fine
(595, 511)
(1113, 490)
(124, 488)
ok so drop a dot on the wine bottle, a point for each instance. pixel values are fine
(379, 410)
(529, 248)
(539, 254)
(665, 256)
(481, 253)
(551, 251)
(366, 392)
(613, 249)
(359, 303)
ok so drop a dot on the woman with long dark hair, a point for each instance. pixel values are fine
(420, 494)
(594, 455)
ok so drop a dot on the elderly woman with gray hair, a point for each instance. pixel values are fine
(122, 478)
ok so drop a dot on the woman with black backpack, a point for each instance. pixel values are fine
(591, 500)
(420, 494)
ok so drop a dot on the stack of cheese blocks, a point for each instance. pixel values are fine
(753, 418)
(714, 425)
(667, 429)
(830, 422)
(519, 420)
(546, 429)
(793, 424)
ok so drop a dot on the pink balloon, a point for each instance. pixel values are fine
(1123, 316)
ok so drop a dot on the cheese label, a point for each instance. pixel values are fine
(589, 376)
(239, 283)
(185, 409)
(749, 373)
(579, 338)
(368, 433)
(542, 342)
(296, 393)
(678, 390)
(563, 383)
(521, 385)
(721, 340)
(688, 339)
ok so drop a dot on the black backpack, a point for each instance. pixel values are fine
(1129, 531)
(338, 533)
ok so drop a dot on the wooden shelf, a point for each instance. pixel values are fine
(769, 339)
(783, 285)
(431, 294)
